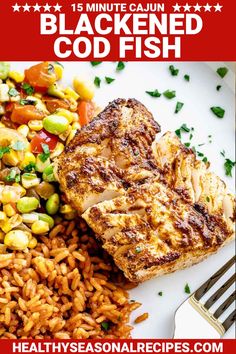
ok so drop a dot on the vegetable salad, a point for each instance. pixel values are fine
(38, 118)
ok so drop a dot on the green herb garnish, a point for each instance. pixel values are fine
(222, 153)
(120, 66)
(4, 150)
(13, 177)
(228, 165)
(187, 145)
(46, 153)
(218, 111)
(205, 159)
(187, 77)
(18, 146)
(218, 87)
(173, 70)
(179, 106)
(185, 128)
(187, 289)
(109, 80)
(160, 293)
(95, 63)
(24, 102)
(207, 199)
(13, 92)
(97, 81)
(154, 93)
(222, 71)
(30, 167)
(169, 94)
(105, 325)
(27, 88)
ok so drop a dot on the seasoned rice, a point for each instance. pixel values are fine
(67, 287)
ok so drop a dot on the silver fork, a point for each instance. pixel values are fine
(193, 319)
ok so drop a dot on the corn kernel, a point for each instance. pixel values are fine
(71, 136)
(39, 227)
(57, 151)
(84, 88)
(20, 189)
(3, 216)
(10, 84)
(28, 158)
(29, 180)
(58, 70)
(2, 125)
(11, 223)
(66, 208)
(9, 210)
(35, 125)
(32, 243)
(64, 135)
(31, 134)
(16, 240)
(71, 93)
(38, 95)
(16, 76)
(11, 158)
(7, 196)
(76, 126)
(23, 130)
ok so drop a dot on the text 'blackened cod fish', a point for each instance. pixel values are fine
(154, 206)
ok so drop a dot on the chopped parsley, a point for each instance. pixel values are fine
(190, 136)
(97, 81)
(160, 293)
(120, 66)
(46, 153)
(207, 199)
(222, 71)
(24, 102)
(200, 154)
(169, 94)
(109, 80)
(13, 92)
(173, 70)
(218, 111)
(228, 165)
(183, 128)
(30, 167)
(4, 150)
(154, 93)
(138, 249)
(179, 106)
(105, 325)
(18, 146)
(187, 145)
(218, 87)
(186, 77)
(205, 159)
(95, 63)
(27, 88)
(187, 289)
(13, 177)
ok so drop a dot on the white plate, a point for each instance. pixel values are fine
(198, 96)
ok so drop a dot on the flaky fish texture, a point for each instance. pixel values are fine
(153, 205)
(108, 155)
(151, 231)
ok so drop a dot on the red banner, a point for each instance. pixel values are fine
(117, 346)
(113, 30)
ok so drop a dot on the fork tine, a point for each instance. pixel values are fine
(224, 305)
(219, 292)
(213, 279)
(229, 320)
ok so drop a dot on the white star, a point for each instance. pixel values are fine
(26, 7)
(57, 7)
(207, 7)
(36, 7)
(16, 7)
(197, 8)
(218, 7)
(187, 7)
(47, 7)
(176, 7)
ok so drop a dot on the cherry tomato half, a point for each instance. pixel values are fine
(85, 111)
(43, 137)
(40, 76)
(23, 114)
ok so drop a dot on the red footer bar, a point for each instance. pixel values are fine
(9, 346)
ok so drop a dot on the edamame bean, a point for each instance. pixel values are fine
(4, 70)
(55, 124)
(52, 204)
(46, 218)
(27, 204)
(48, 175)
